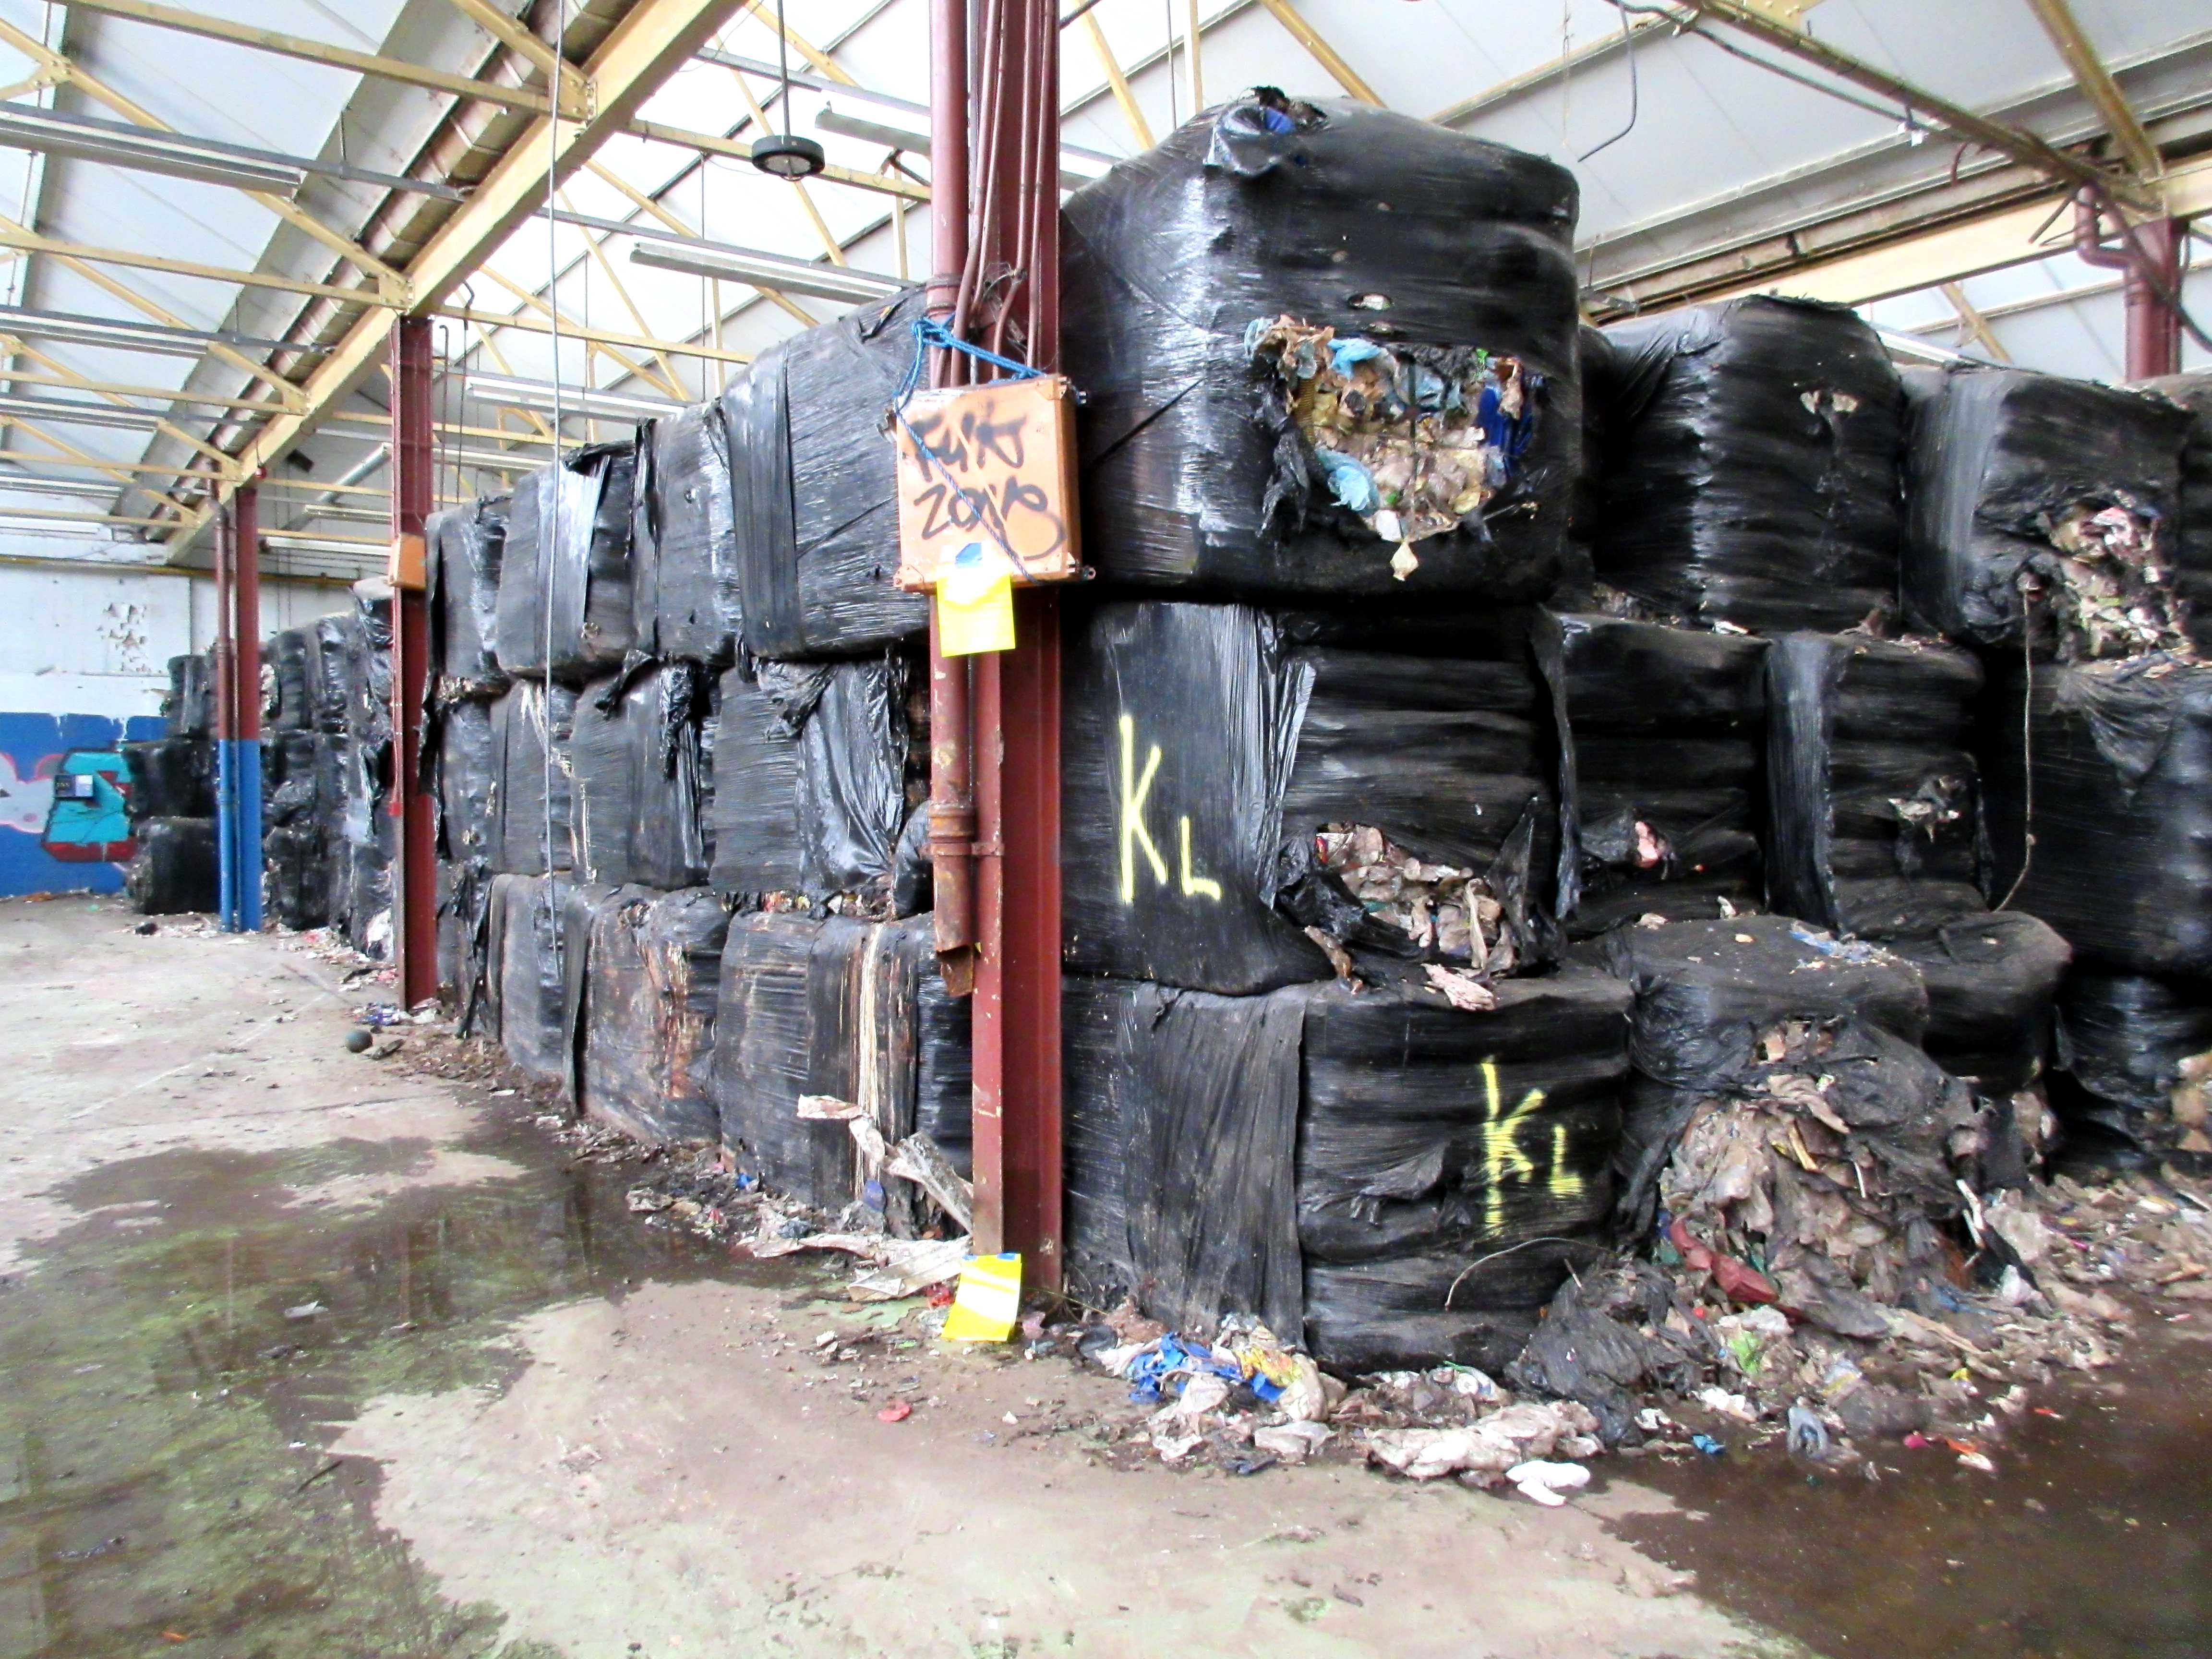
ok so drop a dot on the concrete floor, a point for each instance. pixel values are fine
(306, 1353)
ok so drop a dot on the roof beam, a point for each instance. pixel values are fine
(1322, 52)
(598, 337)
(1132, 115)
(659, 211)
(1972, 326)
(2098, 86)
(526, 99)
(165, 393)
(576, 91)
(14, 235)
(652, 40)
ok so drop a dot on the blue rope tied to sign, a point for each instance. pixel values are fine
(930, 334)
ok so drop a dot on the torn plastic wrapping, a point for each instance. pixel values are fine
(339, 640)
(1750, 474)
(1452, 1166)
(1990, 976)
(2116, 790)
(523, 949)
(1667, 799)
(564, 574)
(297, 875)
(2192, 533)
(1709, 997)
(464, 545)
(810, 767)
(2133, 1063)
(685, 539)
(521, 836)
(814, 475)
(833, 1007)
(170, 778)
(2067, 489)
(1181, 1124)
(189, 705)
(175, 870)
(1229, 446)
(644, 1026)
(1205, 746)
(642, 783)
(1870, 771)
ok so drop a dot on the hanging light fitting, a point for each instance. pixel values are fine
(782, 153)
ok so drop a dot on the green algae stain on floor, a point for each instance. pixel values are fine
(172, 1366)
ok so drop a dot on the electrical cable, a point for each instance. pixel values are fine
(1635, 89)
(549, 528)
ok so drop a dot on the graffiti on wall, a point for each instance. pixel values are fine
(73, 837)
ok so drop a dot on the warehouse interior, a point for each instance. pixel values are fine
(1404, 860)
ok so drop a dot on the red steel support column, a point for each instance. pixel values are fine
(2150, 255)
(246, 608)
(412, 486)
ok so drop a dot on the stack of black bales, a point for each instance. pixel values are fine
(1317, 1067)
(302, 778)
(172, 798)
(464, 547)
(361, 892)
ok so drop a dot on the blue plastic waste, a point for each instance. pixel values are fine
(1349, 481)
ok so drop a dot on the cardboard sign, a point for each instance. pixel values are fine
(995, 465)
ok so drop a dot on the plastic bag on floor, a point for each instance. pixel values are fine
(464, 546)
(815, 479)
(1181, 1122)
(2193, 536)
(523, 948)
(174, 870)
(1290, 393)
(171, 778)
(642, 786)
(2117, 794)
(564, 575)
(1604, 1341)
(1451, 1166)
(684, 538)
(1233, 778)
(643, 1047)
(2035, 500)
(1667, 796)
(524, 722)
(2135, 1058)
(189, 705)
(823, 1017)
(1713, 1000)
(810, 765)
(1870, 771)
(1750, 474)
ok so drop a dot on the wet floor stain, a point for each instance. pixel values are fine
(2092, 1540)
(172, 1370)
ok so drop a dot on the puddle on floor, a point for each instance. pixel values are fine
(2092, 1540)
(163, 1486)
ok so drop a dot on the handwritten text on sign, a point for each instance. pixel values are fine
(994, 465)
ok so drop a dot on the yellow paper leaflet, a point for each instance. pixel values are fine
(989, 1302)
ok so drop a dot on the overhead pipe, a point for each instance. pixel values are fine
(2149, 255)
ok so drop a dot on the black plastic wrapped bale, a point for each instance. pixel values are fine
(464, 545)
(175, 871)
(568, 552)
(1668, 792)
(297, 875)
(523, 949)
(2192, 540)
(1710, 998)
(524, 722)
(1326, 349)
(2117, 794)
(643, 1029)
(339, 642)
(465, 767)
(1750, 471)
(302, 779)
(1990, 976)
(2036, 502)
(189, 704)
(171, 778)
(1206, 747)
(685, 552)
(826, 1016)
(1181, 1128)
(2134, 1062)
(814, 475)
(291, 658)
(1870, 771)
(642, 782)
(1453, 1166)
(810, 765)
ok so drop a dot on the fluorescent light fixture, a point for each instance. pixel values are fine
(762, 270)
(145, 149)
(116, 335)
(1077, 168)
(297, 543)
(71, 412)
(32, 485)
(571, 400)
